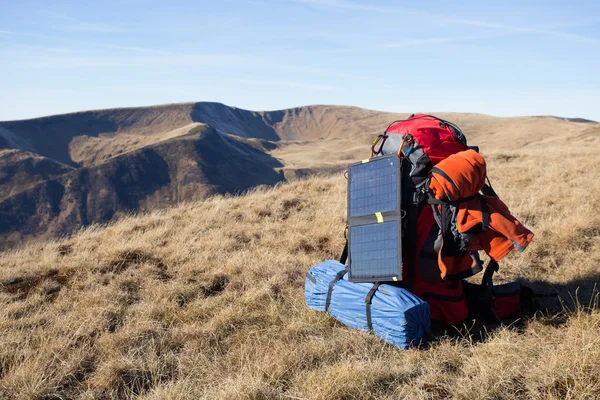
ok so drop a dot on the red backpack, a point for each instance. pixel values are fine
(421, 142)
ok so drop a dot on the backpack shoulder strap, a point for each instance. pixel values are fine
(487, 282)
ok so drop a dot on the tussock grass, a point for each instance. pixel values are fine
(205, 300)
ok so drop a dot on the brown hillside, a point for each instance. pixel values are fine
(196, 167)
(19, 170)
(140, 158)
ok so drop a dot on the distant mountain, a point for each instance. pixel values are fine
(62, 172)
(191, 168)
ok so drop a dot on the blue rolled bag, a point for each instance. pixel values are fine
(391, 312)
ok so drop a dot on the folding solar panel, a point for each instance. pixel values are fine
(374, 216)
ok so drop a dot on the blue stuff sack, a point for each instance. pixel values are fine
(393, 313)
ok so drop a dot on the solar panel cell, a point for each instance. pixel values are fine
(373, 187)
(374, 250)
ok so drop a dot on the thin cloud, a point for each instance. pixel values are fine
(90, 27)
(432, 40)
(67, 23)
(69, 58)
(507, 28)
(131, 48)
(20, 33)
(343, 4)
(293, 84)
(319, 71)
(84, 43)
(548, 31)
(67, 61)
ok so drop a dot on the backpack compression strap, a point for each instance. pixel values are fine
(485, 213)
(368, 300)
(339, 276)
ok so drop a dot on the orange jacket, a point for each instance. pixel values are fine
(457, 180)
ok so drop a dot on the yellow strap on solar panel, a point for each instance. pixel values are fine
(366, 160)
(379, 217)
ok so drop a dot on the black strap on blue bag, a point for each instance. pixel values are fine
(339, 276)
(368, 300)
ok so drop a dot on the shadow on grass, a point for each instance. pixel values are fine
(553, 304)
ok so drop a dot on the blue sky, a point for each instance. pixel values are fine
(496, 57)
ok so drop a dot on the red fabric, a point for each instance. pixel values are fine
(449, 312)
(507, 306)
(428, 133)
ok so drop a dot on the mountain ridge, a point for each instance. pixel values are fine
(195, 150)
(125, 108)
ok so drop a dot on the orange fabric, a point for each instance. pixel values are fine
(505, 231)
(467, 172)
(466, 169)
(455, 264)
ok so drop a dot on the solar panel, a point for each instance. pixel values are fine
(374, 237)
(373, 187)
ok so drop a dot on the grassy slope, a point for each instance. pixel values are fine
(20, 170)
(206, 301)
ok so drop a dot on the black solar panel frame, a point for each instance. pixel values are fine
(371, 219)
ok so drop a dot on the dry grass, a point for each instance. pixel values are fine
(205, 300)
(91, 150)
